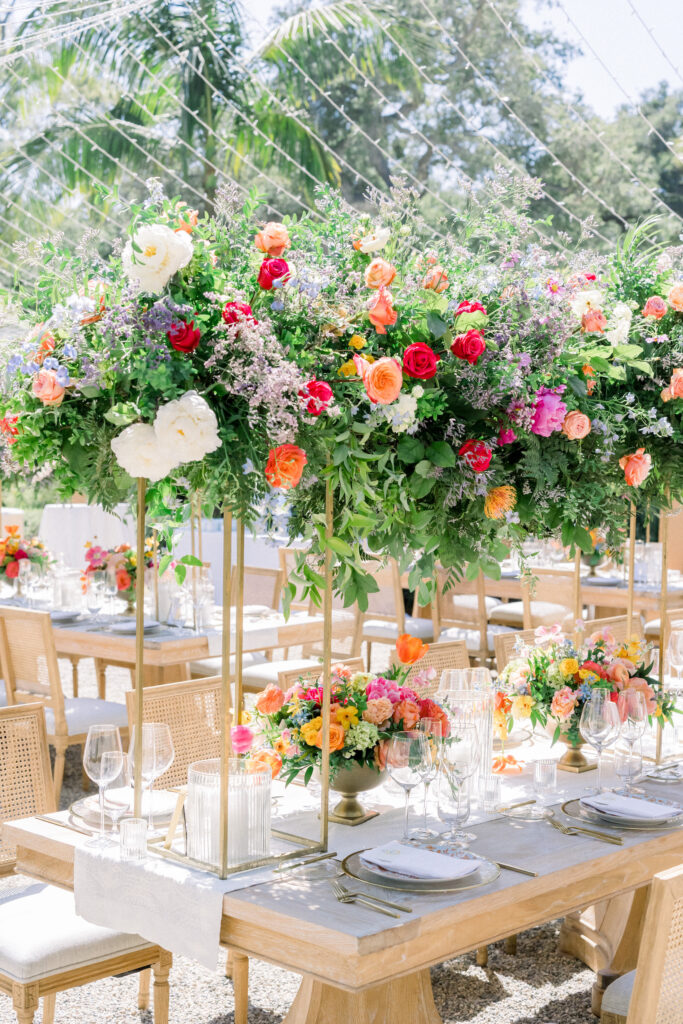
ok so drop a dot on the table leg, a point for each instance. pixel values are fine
(400, 1001)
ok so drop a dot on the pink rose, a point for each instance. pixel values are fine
(563, 703)
(549, 411)
(506, 435)
(655, 307)
(47, 389)
(242, 738)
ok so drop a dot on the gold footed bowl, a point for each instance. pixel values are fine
(574, 759)
(350, 782)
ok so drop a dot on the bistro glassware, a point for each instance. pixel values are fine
(102, 760)
(433, 729)
(133, 839)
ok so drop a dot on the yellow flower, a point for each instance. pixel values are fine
(358, 342)
(569, 666)
(632, 651)
(499, 500)
(245, 717)
(310, 730)
(588, 676)
(133, 561)
(658, 711)
(500, 725)
(522, 705)
(347, 717)
(280, 747)
(347, 369)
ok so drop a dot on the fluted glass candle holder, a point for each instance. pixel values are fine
(249, 804)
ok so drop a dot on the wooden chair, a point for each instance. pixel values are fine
(440, 656)
(45, 948)
(548, 597)
(386, 618)
(618, 625)
(653, 627)
(462, 613)
(288, 677)
(653, 993)
(288, 561)
(30, 670)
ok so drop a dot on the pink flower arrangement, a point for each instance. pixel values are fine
(549, 411)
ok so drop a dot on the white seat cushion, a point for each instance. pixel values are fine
(389, 630)
(3, 695)
(618, 995)
(261, 675)
(652, 629)
(472, 637)
(82, 712)
(470, 602)
(212, 666)
(41, 935)
(543, 613)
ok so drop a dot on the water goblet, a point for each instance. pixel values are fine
(405, 756)
(102, 760)
(632, 711)
(460, 755)
(94, 593)
(157, 756)
(433, 729)
(599, 725)
(118, 796)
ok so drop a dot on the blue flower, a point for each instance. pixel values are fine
(51, 363)
(15, 363)
(63, 376)
(278, 304)
(70, 351)
(33, 367)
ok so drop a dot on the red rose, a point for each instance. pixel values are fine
(20, 554)
(183, 336)
(420, 361)
(8, 428)
(469, 346)
(12, 570)
(234, 312)
(477, 455)
(271, 271)
(469, 306)
(317, 395)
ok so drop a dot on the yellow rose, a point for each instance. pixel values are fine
(347, 369)
(631, 651)
(347, 717)
(588, 676)
(310, 730)
(522, 705)
(569, 666)
(358, 342)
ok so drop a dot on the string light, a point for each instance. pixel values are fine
(634, 10)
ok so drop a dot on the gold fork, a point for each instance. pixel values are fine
(573, 830)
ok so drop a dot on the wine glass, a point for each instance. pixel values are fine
(405, 756)
(459, 759)
(94, 593)
(110, 590)
(102, 760)
(633, 717)
(25, 581)
(675, 650)
(157, 756)
(433, 730)
(599, 724)
(118, 794)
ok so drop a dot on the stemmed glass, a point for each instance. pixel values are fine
(405, 756)
(25, 581)
(157, 756)
(118, 795)
(599, 724)
(110, 591)
(102, 760)
(433, 730)
(94, 593)
(633, 717)
(459, 759)
(675, 650)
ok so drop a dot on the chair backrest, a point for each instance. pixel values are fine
(618, 626)
(471, 616)
(25, 777)
(505, 644)
(387, 603)
(658, 988)
(29, 661)
(440, 656)
(261, 586)
(288, 677)
(556, 586)
(192, 711)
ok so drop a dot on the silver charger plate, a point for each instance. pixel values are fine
(530, 812)
(485, 874)
(87, 810)
(601, 581)
(575, 809)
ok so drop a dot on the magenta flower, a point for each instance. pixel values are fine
(506, 435)
(242, 738)
(549, 411)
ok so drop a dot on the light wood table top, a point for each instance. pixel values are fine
(645, 599)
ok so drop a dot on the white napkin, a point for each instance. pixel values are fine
(629, 806)
(415, 862)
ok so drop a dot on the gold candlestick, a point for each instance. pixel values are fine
(226, 741)
(631, 566)
(139, 648)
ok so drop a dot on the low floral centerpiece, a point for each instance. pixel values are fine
(14, 549)
(121, 563)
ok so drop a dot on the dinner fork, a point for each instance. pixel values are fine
(574, 830)
(342, 897)
(375, 899)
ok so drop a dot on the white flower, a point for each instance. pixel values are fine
(138, 451)
(187, 427)
(619, 324)
(375, 241)
(401, 414)
(162, 253)
(590, 299)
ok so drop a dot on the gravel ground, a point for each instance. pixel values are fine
(539, 985)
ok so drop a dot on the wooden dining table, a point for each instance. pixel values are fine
(646, 599)
(359, 967)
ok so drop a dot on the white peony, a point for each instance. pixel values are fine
(160, 254)
(590, 299)
(375, 241)
(619, 324)
(187, 427)
(138, 451)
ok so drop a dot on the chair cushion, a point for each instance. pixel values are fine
(618, 995)
(41, 935)
(423, 628)
(652, 629)
(472, 637)
(82, 712)
(543, 613)
(470, 602)
(3, 695)
(212, 666)
(260, 675)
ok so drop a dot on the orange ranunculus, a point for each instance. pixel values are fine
(285, 466)
(675, 297)
(576, 425)
(589, 374)
(593, 321)
(410, 649)
(270, 700)
(266, 757)
(408, 712)
(123, 580)
(188, 220)
(655, 307)
(507, 763)
(675, 387)
(435, 280)
(500, 500)
(636, 467)
(273, 239)
(383, 379)
(380, 273)
(337, 735)
(47, 389)
(380, 311)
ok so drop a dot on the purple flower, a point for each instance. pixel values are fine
(549, 411)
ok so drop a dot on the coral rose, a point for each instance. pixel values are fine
(382, 379)
(410, 649)
(273, 239)
(500, 500)
(378, 710)
(408, 712)
(268, 758)
(618, 673)
(655, 307)
(435, 280)
(270, 700)
(675, 388)
(183, 336)
(593, 321)
(380, 311)
(563, 703)
(337, 736)
(648, 693)
(12, 570)
(285, 466)
(123, 580)
(379, 273)
(469, 346)
(636, 467)
(576, 425)
(476, 454)
(47, 388)
(272, 270)
(420, 361)
(675, 297)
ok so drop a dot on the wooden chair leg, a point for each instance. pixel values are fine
(228, 964)
(74, 674)
(161, 990)
(483, 956)
(49, 1008)
(368, 655)
(60, 756)
(511, 944)
(240, 986)
(25, 1002)
(144, 989)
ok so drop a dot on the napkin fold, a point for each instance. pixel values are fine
(416, 862)
(629, 806)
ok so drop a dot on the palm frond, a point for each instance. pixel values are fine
(336, 16)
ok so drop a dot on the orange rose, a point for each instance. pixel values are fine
(408, 712)
(563, 703)
(576, 425)
(618, 673)
(589, 374)
(435, 280)
(337, 735)
(636, 467)
(675, 297)
(382, 379)
(379, 273)
(273, 239)
(188, 221)
(410, 649)
(270, 700)
(285, 466)
(123, 580)
(675, 388)
(380, 311)
(655, 307)
(47, 389)
(267, 757)
(593, 320)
